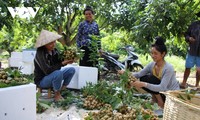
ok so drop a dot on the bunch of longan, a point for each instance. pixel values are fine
(91, 103)
(131, 79)
(70, 54)
(106, 113)
(3, 76)
(20, 80)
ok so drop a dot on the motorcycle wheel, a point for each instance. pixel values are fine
(136, 67)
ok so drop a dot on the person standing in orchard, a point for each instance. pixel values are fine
(87, 28)
(192, 37)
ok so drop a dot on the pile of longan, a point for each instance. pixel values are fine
(5, 79)
(122, 113)
(91, 103)
(3, 76)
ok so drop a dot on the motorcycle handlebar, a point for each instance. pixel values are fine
(127, 47)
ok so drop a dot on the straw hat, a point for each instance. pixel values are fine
(45, 38)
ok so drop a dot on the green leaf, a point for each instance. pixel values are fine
(181, 97)
(188, 97)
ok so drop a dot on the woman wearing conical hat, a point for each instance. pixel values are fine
(48, 72)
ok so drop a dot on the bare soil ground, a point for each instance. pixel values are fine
(72, 113)
(191, 79)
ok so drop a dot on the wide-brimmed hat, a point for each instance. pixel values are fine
(46, 37)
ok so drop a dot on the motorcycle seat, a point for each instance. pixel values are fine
(115, 56)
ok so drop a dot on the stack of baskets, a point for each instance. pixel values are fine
(181, 106)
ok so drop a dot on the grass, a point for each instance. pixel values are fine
(177, 62)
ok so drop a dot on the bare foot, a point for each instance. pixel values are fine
(58, 96)
(63, 87)
(183, 86)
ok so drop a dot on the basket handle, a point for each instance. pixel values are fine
(179, 91)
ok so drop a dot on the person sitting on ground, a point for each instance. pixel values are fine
(49, 72)
(157, 76)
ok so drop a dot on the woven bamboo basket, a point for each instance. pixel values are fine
(181, 109)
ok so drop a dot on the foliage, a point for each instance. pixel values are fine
(135, 22)
(94, 57)
(115, 94)
(180, 67)
(103, 92)
(14, 78)
(117, 39)
(166, 18)
(5, 16)
(70, 98)
(41, 106)
(17, 37)
(64, 16)
(15, 33)
(118, 100)
(60, 15)
(187, 95)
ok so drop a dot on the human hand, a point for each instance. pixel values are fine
(138, 84)
(191, 40)
(65, 62)
(100, 52)
(120, 72)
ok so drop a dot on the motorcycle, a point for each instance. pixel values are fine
(112, 64)
(132, 62)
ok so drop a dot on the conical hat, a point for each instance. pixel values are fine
(45, 38)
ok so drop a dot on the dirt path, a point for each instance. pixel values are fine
(191, 80)
(72, 113)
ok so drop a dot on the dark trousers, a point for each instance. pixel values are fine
(85, 60)
(152, 80)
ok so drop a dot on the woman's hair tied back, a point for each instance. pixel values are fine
(159, 40)
(160, 44)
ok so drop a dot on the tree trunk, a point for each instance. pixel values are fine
(60, 32)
